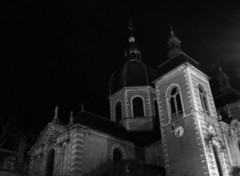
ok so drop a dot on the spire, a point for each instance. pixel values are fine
(132, 52)
(223, 81)
(55, 118)
(219, 67)
(131, 31)
(174, 44)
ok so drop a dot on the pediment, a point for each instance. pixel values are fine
(49, 134)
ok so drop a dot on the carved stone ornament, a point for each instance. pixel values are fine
(217, 142)
(208, 138)
(211, 129)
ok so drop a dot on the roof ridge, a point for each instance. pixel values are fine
(96, 115)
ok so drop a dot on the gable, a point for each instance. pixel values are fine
(49, 134)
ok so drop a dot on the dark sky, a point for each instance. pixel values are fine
(56, 52)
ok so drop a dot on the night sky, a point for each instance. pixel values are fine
(63, 53)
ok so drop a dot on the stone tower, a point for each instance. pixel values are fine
(191, 135)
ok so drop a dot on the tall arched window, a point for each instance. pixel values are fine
(217, 159)
(118, 111)
(138, 109)
(175, 103)
(50, 163)
(203, 98)
(117, 156)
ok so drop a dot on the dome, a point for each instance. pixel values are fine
(133, 73)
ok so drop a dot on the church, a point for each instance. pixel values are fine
(164, 118)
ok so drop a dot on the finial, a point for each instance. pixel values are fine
(174, 44)
(56, 112)
(71, 117)
(82, 107)
(132, 52)
(171, 31)
(55, 119)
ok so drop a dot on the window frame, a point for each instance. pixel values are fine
(120, 148)
(168, 98)
(50, 162)
(144, 106)
(115, 112)
(113, 154)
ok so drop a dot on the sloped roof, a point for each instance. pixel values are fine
(172, 63)
(227, 97)
(115, 129)
(133, 73)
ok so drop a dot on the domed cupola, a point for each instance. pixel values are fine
(131, 92)
(134, 72)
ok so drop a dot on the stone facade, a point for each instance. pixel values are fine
(183, 132)
(77, 151)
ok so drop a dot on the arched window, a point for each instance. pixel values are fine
(175, 103)
(137, 104)
(217, 159)
(117, 156)
(50, 163)
(118, 111)
(203, 98)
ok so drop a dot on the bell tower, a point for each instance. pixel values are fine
(191, 135)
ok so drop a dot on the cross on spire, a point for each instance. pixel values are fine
(132, 52)
(130, 26)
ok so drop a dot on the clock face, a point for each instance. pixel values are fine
(179, 131)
